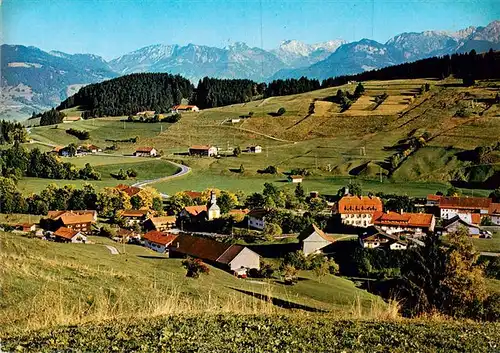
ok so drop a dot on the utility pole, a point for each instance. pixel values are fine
(380, 168)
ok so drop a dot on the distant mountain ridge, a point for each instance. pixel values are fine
(33, 80)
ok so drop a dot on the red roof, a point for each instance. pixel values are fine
(359, 204)
(239, 211)
(195, 210)
(206, 249)
(475, 218)
(159, 237)
(465, 202)
(73, 217)
(133, 213)
(65, 233)
(182, 107)
(193, 194)
(144, 149)
(402, 219)
(200, 147)
(129, 190)
(434, 197)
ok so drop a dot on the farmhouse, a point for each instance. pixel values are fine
(67, 235)
(158, 241)
(433, 200)
(201, 212)
(125, 235)
(146, 113)
(414, 224)
(71, 119)
(76, 220)
(457, 222)
(257, 218)
(185, 108)
(25, 227)
(132, 217)
(494, 213)
(357, 211)
(316, 241)
(374, 237)
(145, 152)
(235, 258)
(203, 150)
(89, 148)
(160, 223)
(295, 178)
(464, 207)
(254, 149)
(129, 190)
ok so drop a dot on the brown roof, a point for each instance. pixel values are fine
(65, 233)
(129, 190)
(494, 209)
(476, 218)
(122, 232)
(322, 234)
(144, 149)
(206, 249)
(359, 204)
(57, 148)
(133, 213)
(403, 219)
(193, 194)
(183, 106)
(195, 210)
(73, 217)
(71, 118)
(162, 220)
(465, 202)
(159, 237)
(296, 176)
(432, 197)
(200, 147)
(258, 213)
(239, 211)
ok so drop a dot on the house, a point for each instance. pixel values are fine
(146, 113)
(145, 152)
(457, 222)
(129, 190)
(357, 211)
(185, 108)
(193, 194)
(374, 237)
(235, 120)
(71, 119)
(433, 200)
(79, 220)
(57, 149)
(231, 257)
(125, 235)
(494, 213)
(132, 217)
(25, 227)
(413, 224)
(316, 241)
(161, 224)
(257, 218)
(295, 178)
(90, 148)
(239, 212)
(203, 150)
(201, 212)
(463, 207)
(68, 235)
(158, 241)
(254, 149)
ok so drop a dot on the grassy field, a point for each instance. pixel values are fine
(146, 168)
(263, 333)
(45, 283)
(489, 245)
(329, 143)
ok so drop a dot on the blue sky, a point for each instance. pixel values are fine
(113, 27)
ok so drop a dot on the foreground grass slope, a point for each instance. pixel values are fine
(263, 333)
(44, 283)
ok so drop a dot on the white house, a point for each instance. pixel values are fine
(67, 235)
(357, 211)
(464, 207)
(158, 241)
(316, 241)
(414, 224)
(374, 237)
(257, 218)
(494, 213)
(456, 223)
(185, 108)
(203, 150)
(295, 178)
(254, 149)
(145, 152)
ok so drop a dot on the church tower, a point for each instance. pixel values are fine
(213, 209)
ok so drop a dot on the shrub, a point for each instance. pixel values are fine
(195, 267)
(269, 170)
(81, 134)
(132, 173)
(281, 111)
(237, 151)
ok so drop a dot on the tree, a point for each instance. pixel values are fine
(453, 191)
(255, 200)
(226, 201)
(317, 204)
(242, 169)
(266, 270)
(110, 200)
(132, 173)
(237, 151)
(299, 192)
(322, 270)
(355, 188)
(281, 111)
(359, 91)
(146, 197)
(195, 267)
(290, 274)
(272, 230)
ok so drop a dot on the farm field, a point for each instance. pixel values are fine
(146, 168)
(45, 283)
(351, 144)
(489, 245)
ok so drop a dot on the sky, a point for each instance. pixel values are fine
(111, 28)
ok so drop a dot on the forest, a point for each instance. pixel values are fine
(11, 131)
(130, 94)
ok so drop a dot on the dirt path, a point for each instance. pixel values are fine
(112, 249)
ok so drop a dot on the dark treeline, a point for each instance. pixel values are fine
(17, 161)
(213, 92)
(130, 94)
(291, 86)
(81, 134)
(471, 66)
(11, 131)
(50, 117)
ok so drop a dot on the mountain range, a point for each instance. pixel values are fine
(33, 80)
